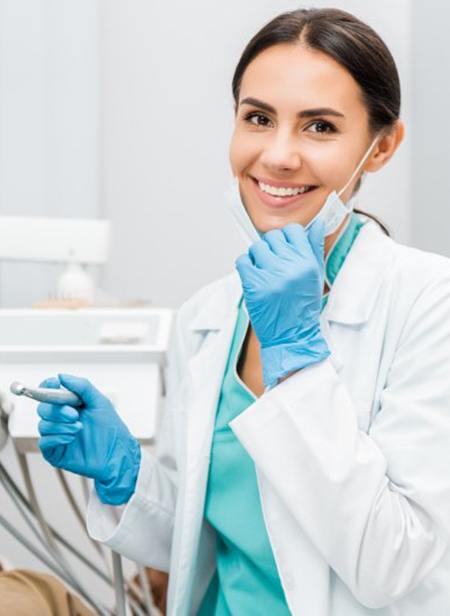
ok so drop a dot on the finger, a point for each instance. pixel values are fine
(248, 273)
(246, 270)
(50, 442)
(51, 383)
(277, 243)
(316, 238)
(261, 255)
(243, 265)
(89, 394)
(57, 413)
(54, 428)
(296, 235)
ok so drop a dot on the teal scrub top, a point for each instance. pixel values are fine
(246, 575)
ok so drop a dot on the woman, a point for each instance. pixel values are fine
(303, 464)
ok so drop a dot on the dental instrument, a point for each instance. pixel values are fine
(104, 345)
(43, 394)
(28, 514)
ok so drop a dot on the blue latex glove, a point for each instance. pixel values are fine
(92, 440)
(282, 279)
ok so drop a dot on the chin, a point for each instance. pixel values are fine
(268, 223)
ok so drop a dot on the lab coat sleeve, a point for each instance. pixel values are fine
(142, 529)
(376, 505)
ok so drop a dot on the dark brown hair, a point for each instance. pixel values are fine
(351, 43)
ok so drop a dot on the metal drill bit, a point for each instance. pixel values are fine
(42, 394)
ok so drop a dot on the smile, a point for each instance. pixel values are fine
(283, 192)
(281, 196)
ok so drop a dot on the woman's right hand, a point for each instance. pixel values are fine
(91, 440)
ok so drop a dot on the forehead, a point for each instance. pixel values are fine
(290, 75)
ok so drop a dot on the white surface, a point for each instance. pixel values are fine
(36, 344)
(47, 334)
(28, 238)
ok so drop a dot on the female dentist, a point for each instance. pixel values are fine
(303, 466)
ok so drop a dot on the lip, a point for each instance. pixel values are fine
(279, 202)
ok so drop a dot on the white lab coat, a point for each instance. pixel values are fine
(352, 454)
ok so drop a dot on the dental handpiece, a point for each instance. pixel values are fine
(42, 394)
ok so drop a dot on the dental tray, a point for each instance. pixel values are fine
(113, 334)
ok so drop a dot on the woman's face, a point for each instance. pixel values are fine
(300, 124)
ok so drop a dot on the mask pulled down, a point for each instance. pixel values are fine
(332, 213)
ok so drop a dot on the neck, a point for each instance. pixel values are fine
(330, 241)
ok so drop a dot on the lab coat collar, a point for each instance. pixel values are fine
(216, 310)
(352, 296)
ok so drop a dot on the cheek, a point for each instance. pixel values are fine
(326, 162)
(243, 151)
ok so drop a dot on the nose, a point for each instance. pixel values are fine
(281, 153)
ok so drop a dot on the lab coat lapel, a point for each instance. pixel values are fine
(215, 322)
(206, 370)
(356, 288)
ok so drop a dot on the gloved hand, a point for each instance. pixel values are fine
(282, 279)
(91, 440)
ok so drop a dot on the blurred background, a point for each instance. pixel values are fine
(122, 110)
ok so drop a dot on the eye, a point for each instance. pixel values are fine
(322, 127)
(260, 118)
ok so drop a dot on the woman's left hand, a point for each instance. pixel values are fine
(282, 279)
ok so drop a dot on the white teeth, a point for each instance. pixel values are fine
(282, 192)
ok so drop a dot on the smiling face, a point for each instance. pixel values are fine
(301, 124)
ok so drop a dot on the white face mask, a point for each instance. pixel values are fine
(332, 213)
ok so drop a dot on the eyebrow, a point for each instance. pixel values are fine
(306, 113)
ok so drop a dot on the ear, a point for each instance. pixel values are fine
(385, 148)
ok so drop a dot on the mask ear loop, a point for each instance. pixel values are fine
(358, 168)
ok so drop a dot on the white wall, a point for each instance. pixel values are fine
(166, 120)
(430, 185)
(48, 124)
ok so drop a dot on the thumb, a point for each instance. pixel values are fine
(316, 238)
(89, 394)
